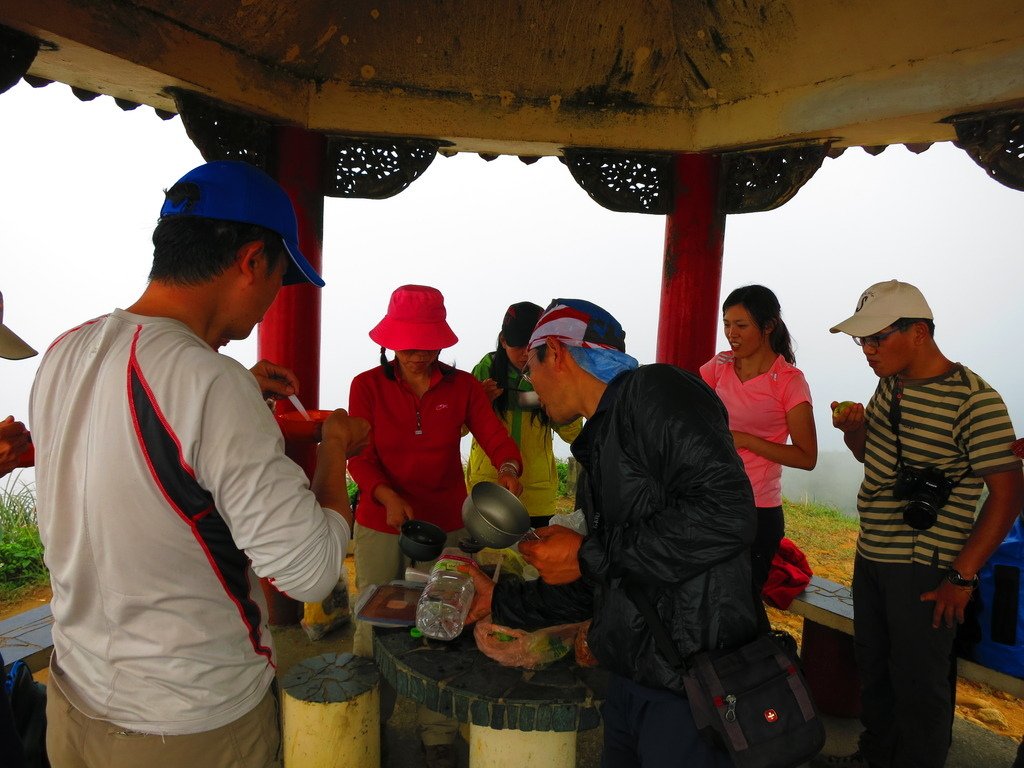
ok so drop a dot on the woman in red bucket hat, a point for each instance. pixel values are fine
(412, 468)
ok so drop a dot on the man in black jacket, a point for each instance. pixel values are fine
(669, 510)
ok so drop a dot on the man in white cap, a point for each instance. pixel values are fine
(14, 438)
(163, 491)
(933, 434)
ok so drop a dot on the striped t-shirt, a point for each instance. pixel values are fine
(956, 423)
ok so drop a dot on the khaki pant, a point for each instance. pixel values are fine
(378, 561)
(76, 741)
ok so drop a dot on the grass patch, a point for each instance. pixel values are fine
(827, 537)
(562, 468)
(21, 551)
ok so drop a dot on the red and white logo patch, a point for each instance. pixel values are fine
(771, 715)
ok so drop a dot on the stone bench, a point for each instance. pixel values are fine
(827, 650)
(26, 637)
(516, 717)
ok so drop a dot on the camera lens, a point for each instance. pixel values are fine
(920, 514)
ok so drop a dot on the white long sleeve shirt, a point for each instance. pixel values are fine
(162, 486)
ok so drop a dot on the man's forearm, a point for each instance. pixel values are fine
(1004, 502)
(330, 485)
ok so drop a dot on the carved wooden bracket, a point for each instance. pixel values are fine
(995, 141)
(221, 133)
(17, 52)
(757, 180)
(375, 168)
(619, 181)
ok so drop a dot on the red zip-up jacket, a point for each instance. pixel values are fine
(415, 444)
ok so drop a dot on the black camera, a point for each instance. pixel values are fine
(926, 490)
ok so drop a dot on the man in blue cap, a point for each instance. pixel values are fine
(164, 492)
(669, 512)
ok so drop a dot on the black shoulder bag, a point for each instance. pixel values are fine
(751, 701)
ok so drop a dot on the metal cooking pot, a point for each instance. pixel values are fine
(493, 516)
(421, 541)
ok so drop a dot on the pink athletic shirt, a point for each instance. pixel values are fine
(759, 407)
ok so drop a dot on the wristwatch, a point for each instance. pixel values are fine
(953, 577)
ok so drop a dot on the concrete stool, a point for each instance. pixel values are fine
(330, 707)
(493, 748)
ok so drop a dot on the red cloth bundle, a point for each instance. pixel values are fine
(788, 576)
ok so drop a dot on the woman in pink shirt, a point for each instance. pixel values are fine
(769, 405)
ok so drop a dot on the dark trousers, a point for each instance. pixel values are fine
(771, 527)
(653, 729)
(907, 668)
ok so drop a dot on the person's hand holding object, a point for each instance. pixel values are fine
(14, 441)
(352, 431)
(847, 416)
(482, 596)
(491, 388)
(555, 554)
(275, 380)
(584, 657)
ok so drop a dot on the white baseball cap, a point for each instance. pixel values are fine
(883, 304)
(11, 346)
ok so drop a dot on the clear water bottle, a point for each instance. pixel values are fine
(442, 608)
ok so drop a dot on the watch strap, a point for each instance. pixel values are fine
(954, 577)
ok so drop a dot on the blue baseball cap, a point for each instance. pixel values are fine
(232, 190)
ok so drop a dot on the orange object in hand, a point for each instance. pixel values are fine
(555, 555)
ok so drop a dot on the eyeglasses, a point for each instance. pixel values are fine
(875, 340)
(526, 370)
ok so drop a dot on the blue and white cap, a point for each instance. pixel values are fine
(232, 190)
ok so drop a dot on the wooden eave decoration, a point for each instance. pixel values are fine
(995, 141)
(17, 52)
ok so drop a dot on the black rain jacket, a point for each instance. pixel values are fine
(670, 509)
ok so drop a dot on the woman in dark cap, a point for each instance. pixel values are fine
(515, 402)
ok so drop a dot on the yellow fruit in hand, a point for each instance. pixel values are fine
(841, 407)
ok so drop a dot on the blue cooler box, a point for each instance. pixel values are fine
(1001, 592)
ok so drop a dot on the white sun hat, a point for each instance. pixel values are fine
(11, 345)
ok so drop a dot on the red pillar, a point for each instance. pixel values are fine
(290, 332)
(692, 273)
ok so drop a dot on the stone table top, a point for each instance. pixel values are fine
(457, 680)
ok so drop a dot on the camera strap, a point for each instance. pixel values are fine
(895, 412)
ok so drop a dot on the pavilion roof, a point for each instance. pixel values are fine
(615, 88)
(531, 77)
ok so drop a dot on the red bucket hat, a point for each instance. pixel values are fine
(415, 320)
